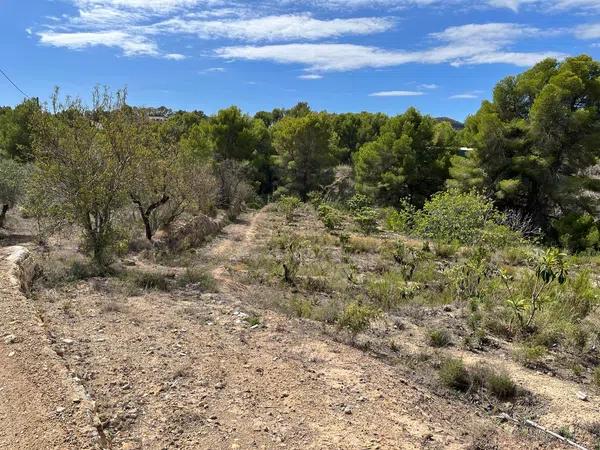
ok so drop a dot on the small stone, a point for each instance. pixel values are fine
(347, 410)
(11, 354)
(10, 339)
(213, 417)
(220, 385)
(67, 341)
(582, 396)
(60, 409)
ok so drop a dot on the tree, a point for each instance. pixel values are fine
(231, 131)
(535, 140)
(12, 182)
(410, 158)
(305, 149)
(15, 131)
(83, 166)
(355, 130)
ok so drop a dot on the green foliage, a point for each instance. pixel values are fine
(455, 375)
(498, 383)
(288, 205)
(535, 140)
(402, 219)
(454, 216)
(330, 216)
(198, 278)
(530, 356)
(149, 280)
(409, 158)
(596, 376)
(82, 166)
(12, 185)
(16, 138)
(439, 338)
(366, 219)
(305, 149)
(577, 231)
(390, 289)
(356, 318)
(358, 202)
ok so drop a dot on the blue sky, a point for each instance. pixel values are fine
(442, 56)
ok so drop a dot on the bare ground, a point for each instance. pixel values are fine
(185, 369)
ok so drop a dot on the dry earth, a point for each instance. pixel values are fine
(94, 366)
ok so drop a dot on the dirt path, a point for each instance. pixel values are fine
(40, 404)
(192, 370)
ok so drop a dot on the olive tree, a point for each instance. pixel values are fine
(83, 165)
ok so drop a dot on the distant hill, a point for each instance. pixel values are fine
(455, 123)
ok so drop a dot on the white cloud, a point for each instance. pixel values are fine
(131, 45)
(588, 32)
(465, 45)
(212, 70)
(175, 56)
(397, 94)
(272, 28)
(428, 86)
(463, 96)
(310, 76)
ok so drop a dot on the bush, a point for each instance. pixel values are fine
(596, 376)
(288, 204)
(454, 216)
(330, 216)
(199, 278)
(366, 219)
(356, 318)
(401, 220)
(530, 356)
(149, 280)
(389, 290)
(358, 202)
(499, 384)
(577, 232)
(454, 375)
(439, 338)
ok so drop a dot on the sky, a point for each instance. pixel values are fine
(441, 56)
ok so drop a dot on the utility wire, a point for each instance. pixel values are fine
(13, 83)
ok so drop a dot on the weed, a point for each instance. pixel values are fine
(439, 338)
(454, 374)
(366, 219)
(199, 278)
(596, 376)
(253, 320)
(288, 205)
(530, 356)
(565, 432)
(149, 280)
(356, 318)
(302, 307)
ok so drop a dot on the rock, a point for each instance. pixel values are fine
(582, 396)
(67, 341)
(220, 385)
(347, 410)
(60, 409)
(10, 339)
(213, 417)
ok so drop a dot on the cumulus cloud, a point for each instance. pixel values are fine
(310, 76)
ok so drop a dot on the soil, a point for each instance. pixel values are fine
(95, 366)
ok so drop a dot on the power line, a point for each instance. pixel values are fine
(13, 83)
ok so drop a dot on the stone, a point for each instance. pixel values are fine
(10, 339)
(347, 410)
(582, 396)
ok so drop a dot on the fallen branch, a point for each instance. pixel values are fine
(537, 426)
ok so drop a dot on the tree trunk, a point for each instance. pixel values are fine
(147, 212)
(3, 212)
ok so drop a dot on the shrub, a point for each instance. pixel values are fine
(454, 216)
(498, 383)
(454, 375)
(366, 219)
(301, 307)
(401, 220)
(439, 338)
(358, 202)
(199, 278)
(577, 231)
(288, 204)
(596, 376)
(356, 318)
(390, 290)
(330, 216)
(149, 280)
(530, 356)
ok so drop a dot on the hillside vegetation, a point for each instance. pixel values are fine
(202, 277)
